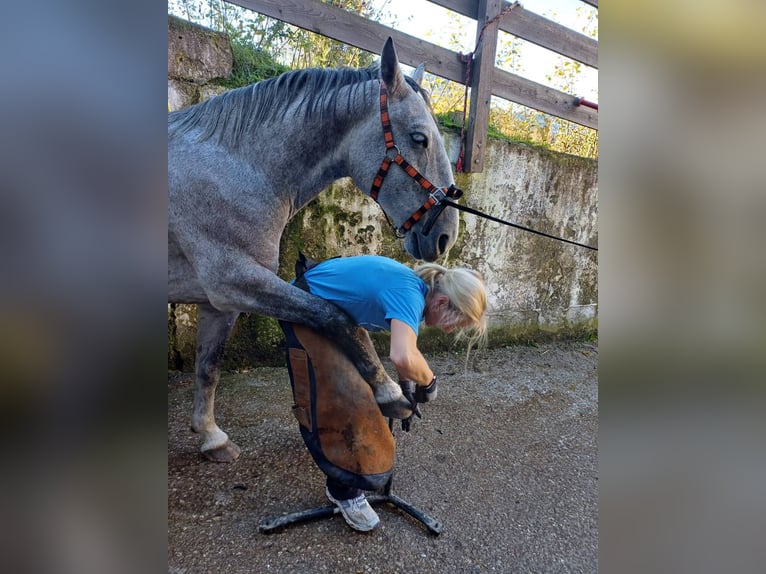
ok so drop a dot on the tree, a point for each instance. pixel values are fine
(286, 44)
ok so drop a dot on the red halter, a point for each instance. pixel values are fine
(435, 194)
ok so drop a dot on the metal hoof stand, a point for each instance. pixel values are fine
(271, 525)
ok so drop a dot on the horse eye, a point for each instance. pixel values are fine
(419, 138)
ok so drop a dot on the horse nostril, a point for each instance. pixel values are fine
(443, 243)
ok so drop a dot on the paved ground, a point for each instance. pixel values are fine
(506, 459)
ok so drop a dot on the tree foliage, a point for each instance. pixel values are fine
(291, 46)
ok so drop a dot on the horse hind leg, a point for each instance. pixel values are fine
(213, 330)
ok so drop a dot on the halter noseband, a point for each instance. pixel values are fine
(435, 194)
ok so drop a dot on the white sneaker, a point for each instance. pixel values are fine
(357, 512)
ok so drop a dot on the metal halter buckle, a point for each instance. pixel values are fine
(438, 195)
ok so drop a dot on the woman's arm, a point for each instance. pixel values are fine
(404, 354)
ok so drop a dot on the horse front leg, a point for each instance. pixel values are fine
(213, 330)
(388, 395)
(251, 288)
(354, 342)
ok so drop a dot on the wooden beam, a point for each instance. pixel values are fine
(360, 32)
(481, 69)
(531, 94)
(536, 29)
(367, 35)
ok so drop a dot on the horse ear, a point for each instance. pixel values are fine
(418, 74)
(390, 72)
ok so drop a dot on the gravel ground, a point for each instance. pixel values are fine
(505, 459)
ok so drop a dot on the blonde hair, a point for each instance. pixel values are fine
(467, 294)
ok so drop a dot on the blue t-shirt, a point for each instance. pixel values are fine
(372, 289)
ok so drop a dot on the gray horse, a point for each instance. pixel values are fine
(241, 164)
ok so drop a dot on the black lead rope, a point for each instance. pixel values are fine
(445, 202)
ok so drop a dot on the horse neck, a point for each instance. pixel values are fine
(310, 151)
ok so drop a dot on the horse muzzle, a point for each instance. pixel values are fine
(434, 236)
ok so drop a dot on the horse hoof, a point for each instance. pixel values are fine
(228, 452)
(399, 408)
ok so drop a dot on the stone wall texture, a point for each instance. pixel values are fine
(538, 288)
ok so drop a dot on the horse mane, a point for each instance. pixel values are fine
(230, 115)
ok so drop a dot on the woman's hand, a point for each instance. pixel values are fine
(427, 393)
(408, 390)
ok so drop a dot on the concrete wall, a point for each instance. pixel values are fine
(197, 58)
(538, 287)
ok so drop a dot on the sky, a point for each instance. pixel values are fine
(435, 24)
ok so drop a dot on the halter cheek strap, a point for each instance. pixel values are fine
(435, 194)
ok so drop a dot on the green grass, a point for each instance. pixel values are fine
(447, 120)
(251, 65)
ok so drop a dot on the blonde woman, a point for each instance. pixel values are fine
(383, 294)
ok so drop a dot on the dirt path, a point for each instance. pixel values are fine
(505, 458)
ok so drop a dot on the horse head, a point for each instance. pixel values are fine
(405, 166)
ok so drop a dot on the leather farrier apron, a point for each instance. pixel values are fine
(339, 420)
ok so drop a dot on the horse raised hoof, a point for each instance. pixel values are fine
(392, 403)
(227, 452)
